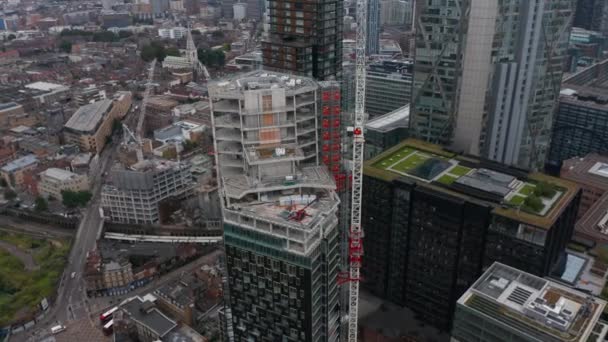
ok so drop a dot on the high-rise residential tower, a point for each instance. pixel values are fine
(279, 209)
(487, 76)
(304, 38)
(592, 15)
(373, 27)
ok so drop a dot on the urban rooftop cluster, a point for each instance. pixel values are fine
(541, 308)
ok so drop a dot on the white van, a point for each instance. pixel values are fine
(57, 329)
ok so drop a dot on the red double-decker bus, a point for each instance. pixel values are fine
(106, 316)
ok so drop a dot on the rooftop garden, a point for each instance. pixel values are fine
(535, 197)
(531, 199)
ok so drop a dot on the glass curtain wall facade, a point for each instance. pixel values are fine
(488, 75)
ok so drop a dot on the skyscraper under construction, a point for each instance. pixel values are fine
(304, 38)
(279, 208)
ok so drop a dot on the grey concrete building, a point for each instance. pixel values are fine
(279, 209)
(136, 194)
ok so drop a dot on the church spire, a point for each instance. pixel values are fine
(191, 52)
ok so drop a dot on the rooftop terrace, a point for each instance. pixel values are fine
(537, 199)
(535, 306)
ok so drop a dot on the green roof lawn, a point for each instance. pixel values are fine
(447, 179)
(526, 190)
(459, 170)
(517, 200)
(411, 162)
(389, 160)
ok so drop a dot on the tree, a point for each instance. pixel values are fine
(544, 189)
(533, 203)
(173, 51)
(105, 36)
(68, 32)
(195, 32)
(10, 194)
(124, 34)
(41, 204)
(116, 126)
(65, 46)
(3, 182)
(73, 199)
(227, 47)
(189, 145)
(153, 50)
(217, 34)
(212, 58)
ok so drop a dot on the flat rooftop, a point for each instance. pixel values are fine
(586, 96)
(260, 79)
(59, 174)
(20, 163)
(430, 165)
(9, 105)
(535, 306)
(591, 170)
(594, 224)
(143, 312)
(44, 86)
(88, 117)
(400, 117)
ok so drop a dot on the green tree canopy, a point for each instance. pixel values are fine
(73, 199)
(189, 145)
(153, 50)
(65, 46)
(10, 194)
(68, 32)
(544, 189)
(212, 58)
(41, 204)
(533, 203)
(124, 34)
(105, 36)
(172, 51)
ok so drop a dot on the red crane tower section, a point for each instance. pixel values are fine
(331, 130)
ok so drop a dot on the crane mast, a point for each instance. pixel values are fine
(355, 241)
(140, 120)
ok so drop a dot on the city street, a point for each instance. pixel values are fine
(71, 300)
